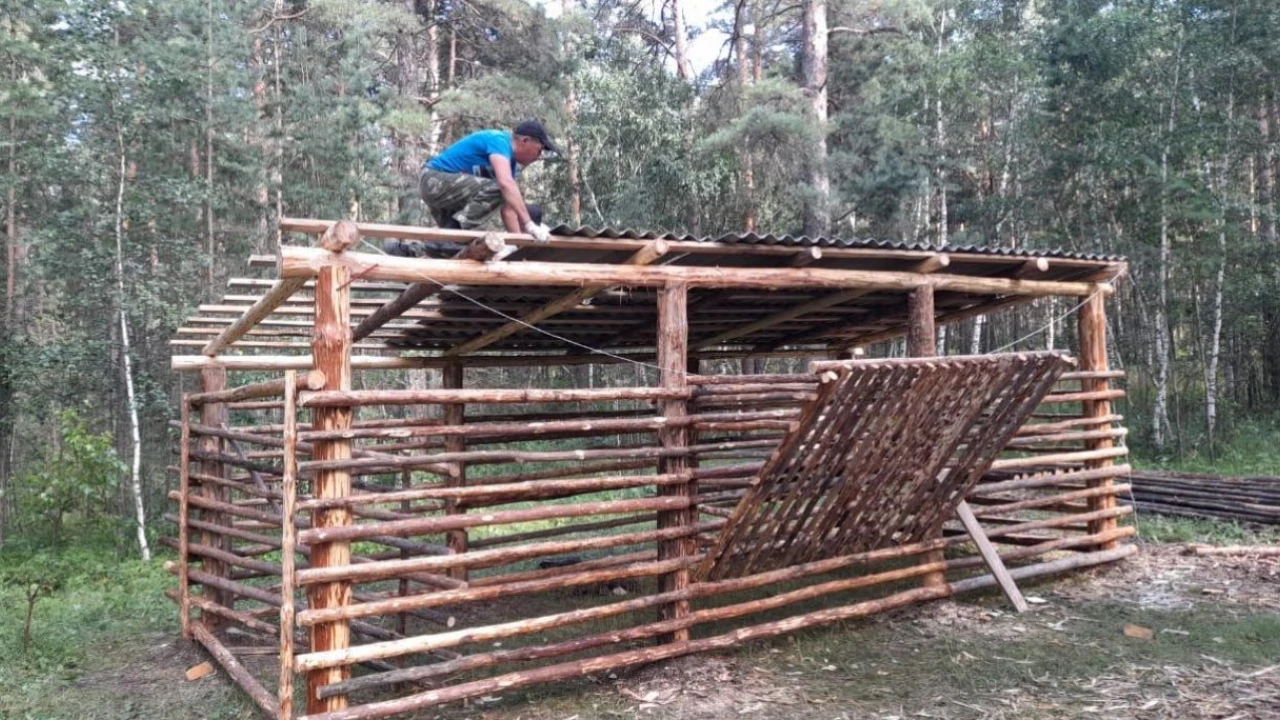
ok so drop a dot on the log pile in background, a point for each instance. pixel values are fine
(1246, 499)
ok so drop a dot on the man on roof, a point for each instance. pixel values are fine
(475, 176)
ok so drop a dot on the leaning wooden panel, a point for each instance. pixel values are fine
(881, 456)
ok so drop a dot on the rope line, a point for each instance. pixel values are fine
(1047, 325)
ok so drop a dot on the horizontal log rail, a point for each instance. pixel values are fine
(1065, 425)
(512, 490)
(704, 380)
(488, 558)
(563, 530)
(423, 526)
(1067, 457)
(382, 465)
(1031, 441)
(481, 427)
(305, 262)
(629, 658)
(503, 630)
(1076, 397)
(1005, 506)
(313, 380)
(360, 398)
(205, 605)
(1055, 477)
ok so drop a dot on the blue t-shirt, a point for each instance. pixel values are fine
(470, 155)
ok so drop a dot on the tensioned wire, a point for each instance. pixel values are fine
(530, 326)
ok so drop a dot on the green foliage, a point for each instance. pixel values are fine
(1167, 529)
(69, 492)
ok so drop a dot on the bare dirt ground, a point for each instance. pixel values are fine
(1162, 635)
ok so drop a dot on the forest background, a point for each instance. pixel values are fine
(147, 147)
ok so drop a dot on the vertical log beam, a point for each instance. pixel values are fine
(214, 415)
(453, 415)
(673, 347)
(288, 542)
(1092, 326)
(402, 586)
(331, 348)
(922, 341)
(922, 330)
(184, 515)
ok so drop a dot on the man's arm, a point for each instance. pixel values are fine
(513, 202)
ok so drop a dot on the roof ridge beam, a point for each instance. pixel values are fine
(305, 262)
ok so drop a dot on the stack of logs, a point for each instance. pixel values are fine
(1244, 499)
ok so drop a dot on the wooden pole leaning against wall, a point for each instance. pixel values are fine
(922, 341)
(673, 346)
(453, 415)
(1092, 327)
(331, 348)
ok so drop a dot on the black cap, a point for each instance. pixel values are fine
(534, 129)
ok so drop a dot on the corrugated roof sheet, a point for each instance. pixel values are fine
(825, 242)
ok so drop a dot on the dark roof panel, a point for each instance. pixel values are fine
(831, 242)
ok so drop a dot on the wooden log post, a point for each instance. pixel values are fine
(288, 544)
(184, 519)
(331, 348)
(212, 380)
(453, 415)
(922, 341)
(1092, 327)
(673, 345)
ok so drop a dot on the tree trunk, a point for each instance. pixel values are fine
(748, 171)
(11, 216)
(570, 146)
(131, 398)
(257, 138)
(684, 67)
(813, 65)
(208, 143)
(277, 170)
(1266, 170)
(1163, 341)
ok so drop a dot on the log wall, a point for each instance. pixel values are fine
(546, 560)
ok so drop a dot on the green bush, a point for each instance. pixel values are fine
(71, 491)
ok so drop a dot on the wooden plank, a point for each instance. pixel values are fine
(239, 674)
(279, 292)
(990, 556)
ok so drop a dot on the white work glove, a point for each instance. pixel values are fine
(541, 233)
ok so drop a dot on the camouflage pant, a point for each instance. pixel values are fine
(459, 200)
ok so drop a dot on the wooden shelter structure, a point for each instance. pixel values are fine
(396, 547)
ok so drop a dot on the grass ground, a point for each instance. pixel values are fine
(108, 649)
